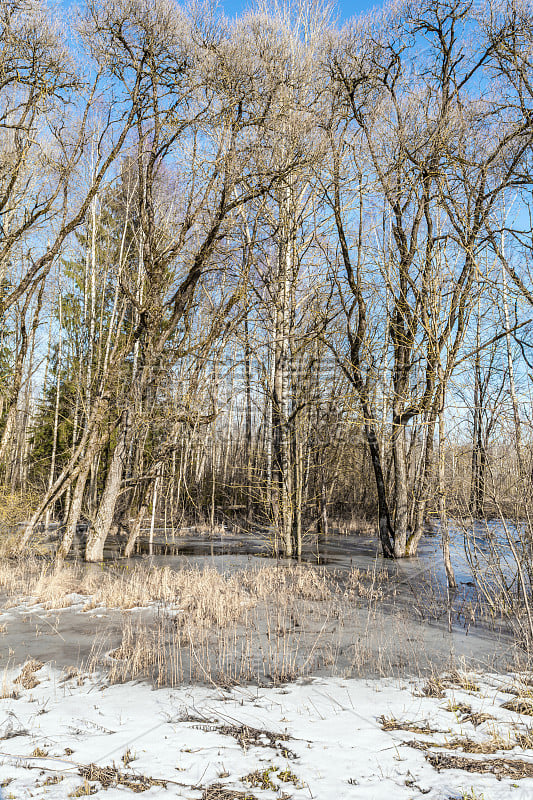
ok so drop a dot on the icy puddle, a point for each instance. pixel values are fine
(65, 735)
(230, 619)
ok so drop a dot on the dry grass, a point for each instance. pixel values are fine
(437, 684)
(434, 687)
(270, 624)
(263, 779)
(84, 790)
(170, 652)
(304, 582)
(274, 623)
(501, 767)
(520, 706)
(524, 739)
(459, 708)
(366, 584)
(270, 639)
(206, 595)
(494, 743)
(27, 677)
(213, 627)
(477, 718)
(462, 680)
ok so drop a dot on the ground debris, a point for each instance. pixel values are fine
(416, 745)
(111, 776)
(500, 767)
(247, 736)
(10, 731)
(393, 724)
(458, 708)
(476, 718)
(217, 791)
(262, 779)
(436, 685)
(490, 745)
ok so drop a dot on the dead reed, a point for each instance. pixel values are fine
(267, 624)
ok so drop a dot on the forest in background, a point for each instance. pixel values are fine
(271, 271)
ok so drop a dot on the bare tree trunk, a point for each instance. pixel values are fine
(57, 399)
(6, 443)
(248, 417)
(155, 495)
(510, 367)
(443, 514)
(12, 437)
(298, 490)
(477, 479)
(135, 529)
(283, 511)
(75, 507)
(104, 518)
(424, 486)
(214, 446)
(401, 502)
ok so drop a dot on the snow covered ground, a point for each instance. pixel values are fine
(313, 740)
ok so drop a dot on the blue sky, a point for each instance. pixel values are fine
(345, 8)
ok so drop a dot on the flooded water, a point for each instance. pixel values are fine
(417, 577)
(412, 624)
(336, 550)
(339, 552)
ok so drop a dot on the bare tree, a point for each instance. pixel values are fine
(425, 153)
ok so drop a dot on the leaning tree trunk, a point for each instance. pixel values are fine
(71, 471)
(73, 515)
(76, 502)
(94, 550)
